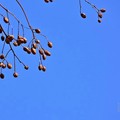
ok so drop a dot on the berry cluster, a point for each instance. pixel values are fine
(10, 41)
(99, 11)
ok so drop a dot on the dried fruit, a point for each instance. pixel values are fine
(28, 50)
(4, 65)
(1, 64)
(26, 67)
(34, 45)
(44, 57)
(15, 74)
(41, 51)
(100, 15)
(1, 29)
(10, 37)
(25, 49)
(50, 44)
(15, 43)
(2, 38)
(2, 56)
(44, 68)
(37, 41)
(83, 15)
(47, 53)
(6, 20)
(37, 30)
(9, 65)
(46, 1)
(40, 67)
(33, 50)
(2, 75)
(99, 21)
(103, 10)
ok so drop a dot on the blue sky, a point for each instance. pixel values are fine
(83, 74)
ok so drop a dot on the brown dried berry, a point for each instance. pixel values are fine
(44, 57)
(100, 15)
(103, 10)
(37, 41)
(33, 50)
(2, 76)
(9, 65)
(10, 37)
(6, 20)
(25, 49)
(50, 44)
(46, 1)
(7, 40)
(28, 51)
(34, 45)
(15, 74)
(41, 51)
(37, 30)
(44, 68)
(1, 64)
(51, 0)
(47, 53)
(83, 15)
(15, 43)
(99, 21)
(40, 67)
(4, 65)
(1, 29)
(2, 56)
(2, 38)
(26, 67)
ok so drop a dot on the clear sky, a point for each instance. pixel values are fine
(83, 74)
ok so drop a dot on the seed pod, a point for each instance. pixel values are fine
(2, 38)
(2, 75)
(50, 44)
(44, 68)
(100, 15)
(44, 57)
(83, 15)
(25, 49)
(2, 56)
(51, 0)
(40, 67)
(6, 20)
(1, 64)
(9, 65)
(26, 67)
(103, 10)
(15, 43)
(7, 40)
(99, 21)
(41, 51)
(21, 40)
(33, 50)
(4, 65)
(10, 37)
(37, 41)
(25, 40)
(15, 74)
(34, 45)
(1, 29)
(28, 51)
(46, 1)
(47, 53)
(37, 30)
